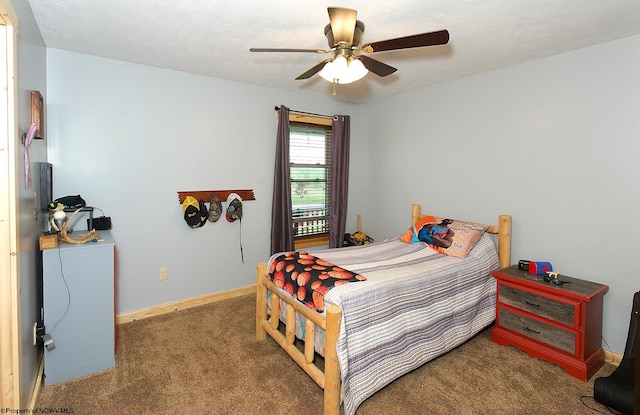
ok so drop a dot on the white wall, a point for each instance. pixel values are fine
(555, 143)
(128, 137)
(552, 142)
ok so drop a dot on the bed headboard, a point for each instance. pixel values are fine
(502, 229)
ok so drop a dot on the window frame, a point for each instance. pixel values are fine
(318, 239)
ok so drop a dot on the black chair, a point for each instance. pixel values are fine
(616, 391)
(636, 406)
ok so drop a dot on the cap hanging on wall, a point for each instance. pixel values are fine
(215, 208)
(234, 207)
(195, 212)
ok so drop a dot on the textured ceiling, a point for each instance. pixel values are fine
(213, 38)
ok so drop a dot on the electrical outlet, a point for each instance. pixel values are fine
(163, 274)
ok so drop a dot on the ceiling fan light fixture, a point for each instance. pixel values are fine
(343, 70)
(344, 34)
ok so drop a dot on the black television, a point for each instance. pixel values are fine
(46, 192)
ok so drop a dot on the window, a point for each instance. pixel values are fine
(310, 162)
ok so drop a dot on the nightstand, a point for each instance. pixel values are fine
(560, 324)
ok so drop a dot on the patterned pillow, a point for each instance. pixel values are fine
(410, 236)
(450, 237)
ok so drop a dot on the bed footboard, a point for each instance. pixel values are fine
(329, 379)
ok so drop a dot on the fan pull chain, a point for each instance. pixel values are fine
(335, 82)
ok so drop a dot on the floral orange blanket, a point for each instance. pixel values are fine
(308, 278)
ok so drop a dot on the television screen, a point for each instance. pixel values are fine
(46, 185)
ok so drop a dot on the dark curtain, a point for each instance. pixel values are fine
(340, 138)
(281, 211)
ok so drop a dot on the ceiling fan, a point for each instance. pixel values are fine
(344, 34)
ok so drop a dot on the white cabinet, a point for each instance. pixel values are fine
(79, 308)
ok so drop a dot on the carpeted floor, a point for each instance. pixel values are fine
(206, 360)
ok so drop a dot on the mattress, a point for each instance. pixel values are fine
(415, 305)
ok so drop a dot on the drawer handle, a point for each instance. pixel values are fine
(532, 304)
(532, 331)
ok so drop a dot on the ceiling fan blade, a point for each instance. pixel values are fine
(343, 24)
(287, 50)
(377, 67)
(440, 37)
(313, 70)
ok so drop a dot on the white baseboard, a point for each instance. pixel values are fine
(183, 304)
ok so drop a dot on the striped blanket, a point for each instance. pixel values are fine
(415, 305)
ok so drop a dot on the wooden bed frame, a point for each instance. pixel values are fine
(329, 379)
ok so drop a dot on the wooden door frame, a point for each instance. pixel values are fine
(10, 338)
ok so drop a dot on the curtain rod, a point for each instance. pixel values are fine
(277, 108)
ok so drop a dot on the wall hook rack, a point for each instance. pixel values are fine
(222, 195)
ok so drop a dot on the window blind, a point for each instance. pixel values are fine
(310, 163)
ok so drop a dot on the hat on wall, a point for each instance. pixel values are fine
(234, 209)
(215, 208)
(195, 212)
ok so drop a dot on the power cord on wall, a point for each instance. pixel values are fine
(46, 338)
(609, 350)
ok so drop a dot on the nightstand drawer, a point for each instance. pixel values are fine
(559, 310)
(545, 333)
